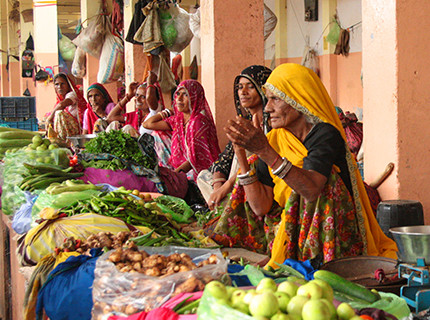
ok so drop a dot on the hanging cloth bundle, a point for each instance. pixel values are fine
(310, 59)
(149, 32)
(117, 17)
(342, 46)
(136, 21)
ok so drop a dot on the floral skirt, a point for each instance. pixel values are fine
(65, 125)
(327, 226)
(239, 226)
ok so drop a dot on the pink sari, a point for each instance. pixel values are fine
(196, 142)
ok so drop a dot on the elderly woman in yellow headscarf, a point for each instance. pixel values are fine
(309, 170)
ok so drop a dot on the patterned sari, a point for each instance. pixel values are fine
(94, 121)
(195, 141)
(65, 123)
(338, 223)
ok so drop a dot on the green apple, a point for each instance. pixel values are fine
(283, 300)
(242, 307)
(266, 284)
(288, 287)
(249, 295)
(216, 289)
(331, 308)
(46, 142)
(53, 146)
(315, 309)
(264, 304)
(327, 289)
(237, 296)
(42, 147)
(37, 140)
(281, 316)
(296, 304)
(345, 311)
(230, 291)
(310, 290)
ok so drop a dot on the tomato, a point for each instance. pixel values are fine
(366, 317)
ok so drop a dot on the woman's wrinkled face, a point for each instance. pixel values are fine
(61, 86)
(140, 96)
(96, 99)
(248, 94)
(282, 115)
(182, 100)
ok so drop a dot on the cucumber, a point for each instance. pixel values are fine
(18, 134)
(343, 297)
(14, 143)
(342, 285)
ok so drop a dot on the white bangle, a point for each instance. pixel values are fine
(249, 173)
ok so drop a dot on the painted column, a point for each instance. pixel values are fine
(45, 51)
(328, 61)
(231, 39)
(281, 32)
(13, 27)
(396, 75)
(26, 29)
(4, 89)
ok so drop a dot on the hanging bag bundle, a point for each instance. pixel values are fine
(91, 38)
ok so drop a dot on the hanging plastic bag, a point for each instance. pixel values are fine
(182, 25)
(270, 22)
(333, 35)
(168, 30)
(91, 38)
(79, 68)
(67, 48)
(111, 65)
(195, 23)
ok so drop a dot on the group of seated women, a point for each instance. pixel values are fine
(286, 183)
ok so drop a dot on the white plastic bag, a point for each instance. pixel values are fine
(111, 64)
(182, 25)
(79, 68)
(270, 21)
(195, 23)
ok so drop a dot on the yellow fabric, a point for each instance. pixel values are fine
(302, 89)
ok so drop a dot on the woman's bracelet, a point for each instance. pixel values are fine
(250, 173)
(276, 160)
(150, 86)
(282, 171)
(248, 180)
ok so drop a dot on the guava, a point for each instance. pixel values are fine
(310, 290)
(283, 300)
(345, 311)
(216, 289)
(237, 297)
(37, 140)
(242, 307)
(331, 308)
(315, 309)
(266, 284)
(46, 142)
(296, 304)
(288, 287)
(281, 316)
(264, 304)
(327, 289)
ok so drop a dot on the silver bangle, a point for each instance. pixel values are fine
(281, 167)
(248, 180)
(247, 174)
(285, 171)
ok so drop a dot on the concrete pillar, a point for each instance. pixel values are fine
(231, 39)
(26, 29)
(281, 31)
(396, 75)
(89, 8)
(4, 88)
(13, 27)
(45, 51)
(328, 61)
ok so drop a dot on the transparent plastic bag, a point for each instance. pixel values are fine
(181, 20)
(91, 38)
(79, 68)
(12, 196)
(67, 48)
(120, 293)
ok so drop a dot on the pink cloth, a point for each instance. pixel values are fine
(198, 142)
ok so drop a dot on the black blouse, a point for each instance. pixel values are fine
(326, 148)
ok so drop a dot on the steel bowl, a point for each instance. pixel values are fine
(80, 140)
(413, 242)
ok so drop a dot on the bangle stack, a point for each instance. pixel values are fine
(283, 169)
(247, 178)
(218, 180)
(165, 114)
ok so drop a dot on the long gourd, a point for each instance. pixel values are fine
(17, 134)
(14, 143)
(342, 285)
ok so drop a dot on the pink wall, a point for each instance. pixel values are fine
(4, 81)
(14, 78)
(45, 93)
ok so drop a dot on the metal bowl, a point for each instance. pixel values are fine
(413, 242)
(80, 140)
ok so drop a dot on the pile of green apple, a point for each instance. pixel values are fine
(41, 144)
(43, 151)
(290, 300)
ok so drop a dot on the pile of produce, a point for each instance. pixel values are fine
(12, 139)
(41, 176)
(312, 300)
(121, 145)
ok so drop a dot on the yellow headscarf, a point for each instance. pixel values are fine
(302, 89)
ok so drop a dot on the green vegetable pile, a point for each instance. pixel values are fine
(114, 164)
(118, 144)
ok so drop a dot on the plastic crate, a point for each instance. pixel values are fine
(17, 108)
(30, 124)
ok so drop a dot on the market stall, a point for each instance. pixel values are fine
(101, 249)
